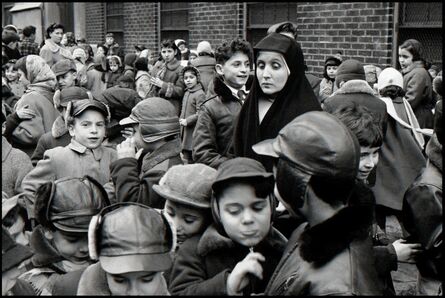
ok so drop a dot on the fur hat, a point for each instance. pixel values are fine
(63, 66)
(204, 47)
(9, 36)
(350, 70)
(390, 76)
(334, 60)
(64, 96)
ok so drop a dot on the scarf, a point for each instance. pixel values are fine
(40, 76)
(296, 98)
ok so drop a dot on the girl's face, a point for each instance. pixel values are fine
(56, 36)
(88, 129)
(190, 79)
(271, 72)
(72, 246)
(405, 58)
(369, 157)
(188, 221)
(137, 283)
(168, 54)
(245, 217)
(331, 70)
(11, 74)
(113, 66)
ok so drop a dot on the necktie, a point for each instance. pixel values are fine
(241, 95)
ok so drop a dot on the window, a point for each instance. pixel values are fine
(115, 21)
(262, 15)
(6, 14)
(174, 21)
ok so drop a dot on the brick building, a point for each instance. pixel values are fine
(368, 31)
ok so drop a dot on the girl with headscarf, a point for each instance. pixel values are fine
(53, 51)
(38, 97)
(280, 92)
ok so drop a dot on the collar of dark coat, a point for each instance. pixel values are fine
(173, 65)
(94, 281)
(195, 88)
(211, 240)
(59, 128)
(322, 242)
(354, 86)
(434, 152)
(79, 148)
(168, 150)
(6, 148)
(221, 89)
(45, 255)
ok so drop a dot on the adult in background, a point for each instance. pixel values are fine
(112, 46)
(280, 92)
(10, 42)
(28, 46)
(205, 63)
(53, 51)
(182, 46)
(416, 82)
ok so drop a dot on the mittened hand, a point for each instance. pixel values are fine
(238, 279)
(126, 149)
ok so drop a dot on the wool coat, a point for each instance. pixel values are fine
(191, 102)
(53, 53)
(95, 83)
(327, 87)
(15, 165)
(134, 179)
(213, 135)
(173, 87)
(419, 93)
(206, 67)
(203, 263)
(74, 160)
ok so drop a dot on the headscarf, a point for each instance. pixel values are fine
(38, 73)
(296, 98)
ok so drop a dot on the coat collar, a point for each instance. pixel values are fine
(59, 128)
(416, 64)
(322, 242)
(211, 240)
(79, 148)
(6, 149)
(195, 88)
(166, 151)
(355, 86)
(221, 89)
(173, 65)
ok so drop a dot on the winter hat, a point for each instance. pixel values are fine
(187, 184)
(75, 108)
(13, 254)
(68, 204)
(109, 34)
(129, 59)
(9, 36)
(334, 60)
(390, 77)
(193, 69)
(10, 28)
(126, 79)
(350, 70)
(79, 53)
(179, 42)
(64, 96)
(204, 47)
(115, 57)
(63, 66)
(193, 53)
(157, 119)
(140, 47)
(130, 237)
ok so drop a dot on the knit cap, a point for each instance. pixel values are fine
(390, 77)
(350, 70)
(204, 47)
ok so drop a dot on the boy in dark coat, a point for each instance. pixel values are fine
(212, 138)
(155, 137)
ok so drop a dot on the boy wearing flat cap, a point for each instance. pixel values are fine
(86, 121)
(331, 253)
(151, 148)
(134, 245)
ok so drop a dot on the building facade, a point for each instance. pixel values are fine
(367, 31)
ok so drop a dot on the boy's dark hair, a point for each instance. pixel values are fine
(53, 27)
(29, 30)
(262, 186)
(392, 92)
(228, 48)
(168, 43)
(141, 64)
(362, 124)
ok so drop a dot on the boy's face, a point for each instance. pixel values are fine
(405, 58)
(190, 80)
(168, 54)
(369, 157)
(67, 80)
(235, 71)
(137, 283)
(245, 217)
(331, 70)
(188, 220)
(11, 74)
(113, 66)
(88, 129)
(109, 40)
(72, 246)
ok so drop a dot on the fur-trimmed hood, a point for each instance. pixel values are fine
(59, 128)
(322, 242)
(211, 240)
(354, 86)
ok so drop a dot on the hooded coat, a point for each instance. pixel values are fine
(39, 98)
(204, 262)
(296, 98)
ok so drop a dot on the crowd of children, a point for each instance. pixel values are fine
(216, 171)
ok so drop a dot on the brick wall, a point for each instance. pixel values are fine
(140, 25)
(214, 22)
(95, 22)
(360, 30)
